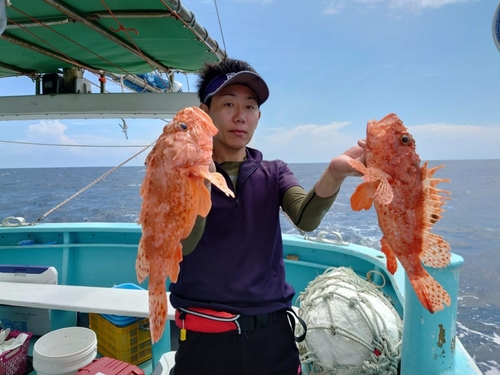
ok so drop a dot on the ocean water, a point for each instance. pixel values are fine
(471, 224)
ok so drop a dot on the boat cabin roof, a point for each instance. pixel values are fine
(116, 36)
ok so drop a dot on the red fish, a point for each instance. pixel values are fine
(173, 193)
(407, 203)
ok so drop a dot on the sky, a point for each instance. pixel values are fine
(331, 66)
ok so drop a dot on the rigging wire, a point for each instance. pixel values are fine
(126, 31)
(220, 26)
(59, 145)
(90, 185)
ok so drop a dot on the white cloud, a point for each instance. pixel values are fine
(304, 143)
(334, 6)
(451, 131)
(253, 1)
(320, 143)
(422, 4)
(284, 135)
(441, 141)
(49, 132)
(369, 1)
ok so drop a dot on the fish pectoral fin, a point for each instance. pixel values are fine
(218, 180)
(384, 194)
(436, 252)
(376, 186)
(362, 198)
(205, 203)
(392, 263)
(357, 165)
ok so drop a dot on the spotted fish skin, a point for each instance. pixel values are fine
(407, 203)
(173, 194)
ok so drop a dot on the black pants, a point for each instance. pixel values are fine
(269, 350)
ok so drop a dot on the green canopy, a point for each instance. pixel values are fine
(112, 36)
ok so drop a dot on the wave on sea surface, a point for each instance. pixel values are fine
(469, 223)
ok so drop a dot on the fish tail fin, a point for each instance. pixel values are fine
(157, 291)
(141, 264)
(430, 293)
(157, 309)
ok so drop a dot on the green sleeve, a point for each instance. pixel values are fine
(306, 210)
(191, 241)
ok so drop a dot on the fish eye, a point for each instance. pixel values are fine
(405, 139)
(183, 126)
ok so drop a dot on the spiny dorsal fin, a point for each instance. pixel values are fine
(435, 250)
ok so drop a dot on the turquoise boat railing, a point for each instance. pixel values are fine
(103, 254)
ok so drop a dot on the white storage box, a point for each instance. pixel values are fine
(26, 319)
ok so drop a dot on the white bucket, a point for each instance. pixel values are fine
(64, 351)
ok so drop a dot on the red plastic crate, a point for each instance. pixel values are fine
(14, 362)
(110, 366)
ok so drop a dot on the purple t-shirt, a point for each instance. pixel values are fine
(238, 264)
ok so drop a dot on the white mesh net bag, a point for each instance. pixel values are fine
(352, 329)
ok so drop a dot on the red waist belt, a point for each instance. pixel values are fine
(210, 321)
(206, 320)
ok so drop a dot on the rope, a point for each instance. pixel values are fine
(187, 82)
(369, 278)
(90, 185)
(59, 145)
(126, 30)
(340, 303)
(220, 26)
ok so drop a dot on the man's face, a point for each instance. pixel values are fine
(235, 112)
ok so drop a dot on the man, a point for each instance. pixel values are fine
(231, 297)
